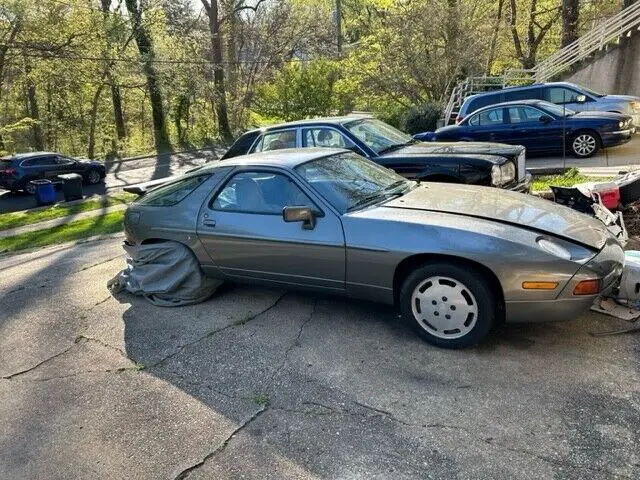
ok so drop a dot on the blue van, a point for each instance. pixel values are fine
(574, 97)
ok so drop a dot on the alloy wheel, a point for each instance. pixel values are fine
(30, 188)
(93, 177)
(584, 145)
(444, 307)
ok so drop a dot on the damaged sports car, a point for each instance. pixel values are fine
(455, 259)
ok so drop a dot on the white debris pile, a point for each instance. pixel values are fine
(626, 304)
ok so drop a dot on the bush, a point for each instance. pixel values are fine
(421, 118)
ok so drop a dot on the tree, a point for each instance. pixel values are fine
(570, 16)
(211, 8)
(537, 25)
(145, 47)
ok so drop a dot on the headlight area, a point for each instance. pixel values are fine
(564, 249)
(503, 174)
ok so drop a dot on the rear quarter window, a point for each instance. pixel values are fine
(173, 193)
(242, 145)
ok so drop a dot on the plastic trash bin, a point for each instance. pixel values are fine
(44, 191)
(71, 186)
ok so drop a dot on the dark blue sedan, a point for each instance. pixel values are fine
(542, 127)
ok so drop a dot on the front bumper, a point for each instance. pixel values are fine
(606, 265)
(618, 137)
(524, 186)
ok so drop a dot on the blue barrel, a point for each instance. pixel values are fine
(45, 192)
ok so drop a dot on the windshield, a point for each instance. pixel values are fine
(350, 182)
(377, 135)
(558, 110)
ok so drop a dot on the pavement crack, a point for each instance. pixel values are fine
(30, 369)
(296, 341)
(88, 267)
(383, 412)
(554, 461)
(214, 332)
(187, 471)
(84, 338)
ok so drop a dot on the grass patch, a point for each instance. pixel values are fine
(568, 179)
(261, 399)
(19, 219)
(99, 225)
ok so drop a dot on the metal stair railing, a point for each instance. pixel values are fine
(615, 27)
(596, 39)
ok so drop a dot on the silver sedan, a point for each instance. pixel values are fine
(455, 259)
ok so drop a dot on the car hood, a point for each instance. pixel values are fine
(486, 148)
(525, 211)
(626, 98)
(600, 115)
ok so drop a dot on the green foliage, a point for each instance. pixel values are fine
(299, 90)
(421, 118)
(568, 179)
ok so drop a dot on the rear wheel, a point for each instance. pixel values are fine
(585, 144)
(92, 176)
(29, 187)
(447, 305)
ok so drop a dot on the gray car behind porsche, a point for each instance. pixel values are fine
(455, 259)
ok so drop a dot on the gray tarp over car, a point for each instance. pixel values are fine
(165, 273)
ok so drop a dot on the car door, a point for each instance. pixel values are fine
(243, 230)
(535, 129)
(42, 167)
(67, 165)
(486, 126)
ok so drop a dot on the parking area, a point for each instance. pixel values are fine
(259, 383)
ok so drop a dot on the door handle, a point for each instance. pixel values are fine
(209, 222)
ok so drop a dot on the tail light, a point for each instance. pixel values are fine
(8, 171)
(459, 119)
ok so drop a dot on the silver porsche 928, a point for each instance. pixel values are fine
(455, 259)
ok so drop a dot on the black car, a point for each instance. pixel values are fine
(543, 127)
(490, 164)
(17, 171)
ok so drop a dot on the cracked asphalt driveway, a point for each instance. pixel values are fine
(258, 383)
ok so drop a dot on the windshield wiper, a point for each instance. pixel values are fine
(371, 199)
(398, 145)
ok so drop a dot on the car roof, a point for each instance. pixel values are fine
(311, 121)
(507, 104)
(23, 156)
(286, 157)
(521, 87)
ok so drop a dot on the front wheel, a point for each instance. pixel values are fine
(584, 144)
(448, 306)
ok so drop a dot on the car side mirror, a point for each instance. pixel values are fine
(545, 119)
(581, 98)
(300, 214)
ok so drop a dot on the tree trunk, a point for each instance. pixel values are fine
(218, 70)
(494, 37)
(145, 47)
(116, 99)
(34, 113)
(92, 122)
(3, 53)
(570, 14)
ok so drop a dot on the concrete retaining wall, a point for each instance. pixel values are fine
(616, 71)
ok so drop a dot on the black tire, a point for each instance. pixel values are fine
(27, 187)
(584, 144)
(92, 176)
(473, 288)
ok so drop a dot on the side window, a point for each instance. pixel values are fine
(474, 121)
(173, 193)
(515, 115)
(560, 95)
(63, 161)
(324, 137)
(532, 114)
(39, 162)
(277, 141)
(261, 193)
(491, 117)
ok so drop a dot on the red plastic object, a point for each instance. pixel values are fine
(608, 192)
